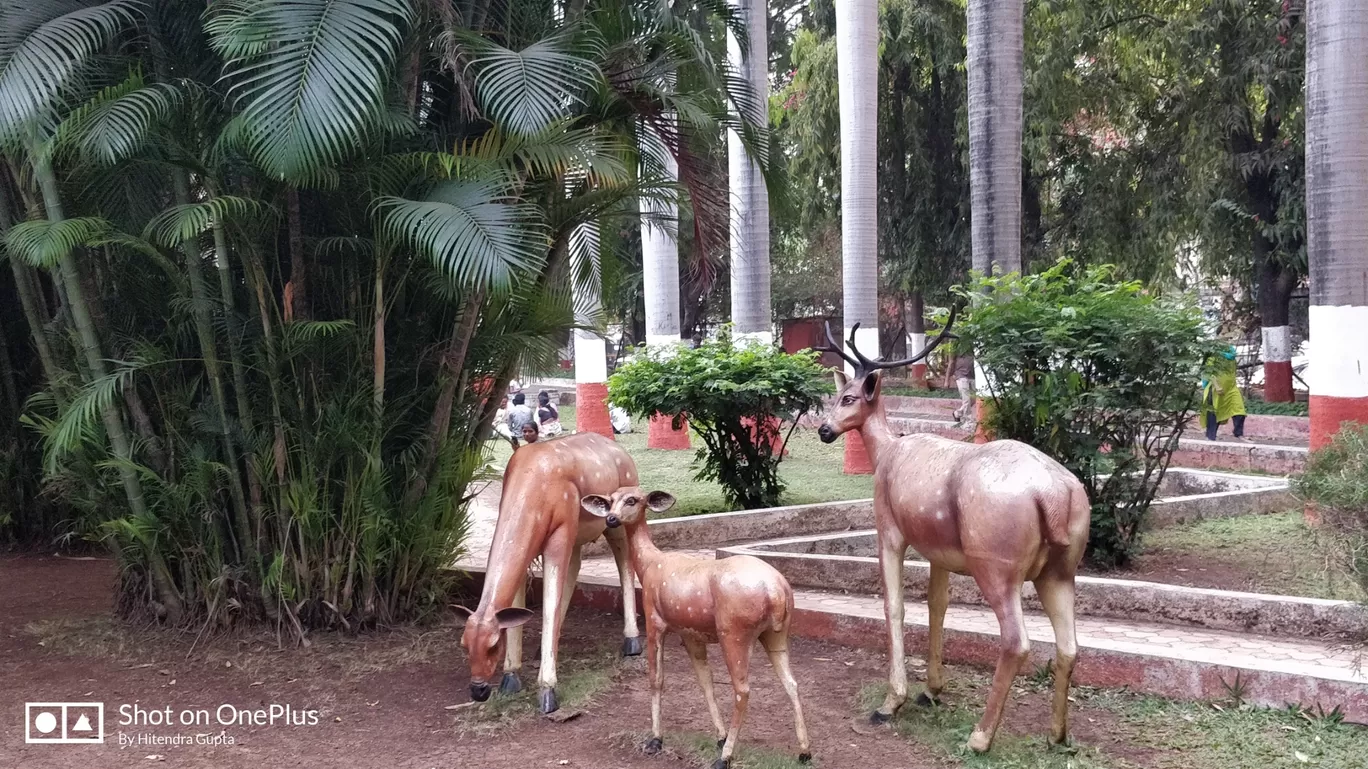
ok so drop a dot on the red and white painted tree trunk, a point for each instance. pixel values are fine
(1337, 213)
(1277, 355)
(591, 351)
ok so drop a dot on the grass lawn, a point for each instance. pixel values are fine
(1275, 553)
(811, 472)
(1141, 730)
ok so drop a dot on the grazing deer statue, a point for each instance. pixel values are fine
(1001, 512)
(732, 602)
(539, 514)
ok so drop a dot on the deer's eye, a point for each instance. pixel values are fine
(847, 400)
(632, 501)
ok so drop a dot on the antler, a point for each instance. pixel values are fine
(863, 365)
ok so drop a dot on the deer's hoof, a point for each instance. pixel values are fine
(804, 758)
(722, 763)
(721, 741)
(925, 700)
(548, 701)
(879, 718)
(979, 741)
(653, 746)
(632, 647)
(510, 683)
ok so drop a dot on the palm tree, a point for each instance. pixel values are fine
(1337, 213)
(750, 267)
(857, 47)
(996, 39)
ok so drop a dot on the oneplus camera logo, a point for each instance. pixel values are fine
(64, 723)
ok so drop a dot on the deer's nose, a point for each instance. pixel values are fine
(479, 691)
(826, 433)
(613, 521)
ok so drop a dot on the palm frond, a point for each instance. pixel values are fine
(473, 231)
(116, 122)
(180, 223)
(311, 74)
(43, 48)
(43, 243)
(527, 91)
(83, 416)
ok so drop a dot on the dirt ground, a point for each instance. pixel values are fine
(383, 699)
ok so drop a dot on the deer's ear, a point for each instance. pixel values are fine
(841, 379)
(871, 386)
(660, 501)
(596, 505)
(462, 611)
(513, 617)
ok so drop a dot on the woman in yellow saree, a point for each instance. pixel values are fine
(1221, 400)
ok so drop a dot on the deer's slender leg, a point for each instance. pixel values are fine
(1004, 595)
(555, 567)
(571, 578)
(513, 653)
(736, 650)
(937, 599)
(698, 655)
(631, 636)
(776, 645)
(892, 549)
(655, 674)
(1057, 597)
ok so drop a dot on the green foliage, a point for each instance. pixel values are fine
(735, 397)
(311, 74)
(1292, 409)
(1095, 372)
(1336, 482)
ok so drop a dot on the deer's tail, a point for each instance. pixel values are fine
(1060, 510)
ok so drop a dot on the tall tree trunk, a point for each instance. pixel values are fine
(90, 348)
(244, 405)
(297, 305)
(1276, 283)
(857, 52)
(204, 327)
(34, 313)
(996, 81)
(453, 369)
(378, 343)
(1337, 213)
(750, 259)
(916, 335)
(9, 385)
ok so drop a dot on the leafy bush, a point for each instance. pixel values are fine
(1336, 481)
(735, 397)
(1098, 374)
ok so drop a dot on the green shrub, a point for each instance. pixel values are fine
(1098, 374)
(1336, 481)
(735, 396)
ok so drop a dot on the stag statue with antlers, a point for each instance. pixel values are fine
(1000, 512)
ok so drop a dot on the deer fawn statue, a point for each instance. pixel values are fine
(1001, 512)
(539, 514)
(732, 602)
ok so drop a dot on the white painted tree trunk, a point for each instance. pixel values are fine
(750, 267)
(857, 52)
(660, 265)
(996, 80)
(1337, 213)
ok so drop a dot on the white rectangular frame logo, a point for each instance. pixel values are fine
(29, 707)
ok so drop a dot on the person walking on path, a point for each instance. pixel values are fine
(961, 369)
(1221, 399)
